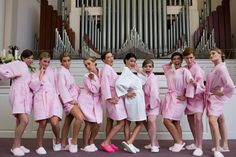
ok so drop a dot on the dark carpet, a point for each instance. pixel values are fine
(5, 145)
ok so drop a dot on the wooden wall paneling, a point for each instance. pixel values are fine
(221, 16)
(228, 44)
(43, 6)
(48, 28)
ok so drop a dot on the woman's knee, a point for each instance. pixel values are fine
(212, 120)
(54, 121)
(167, 121)
(151, 120)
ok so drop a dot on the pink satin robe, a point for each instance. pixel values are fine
(152, 95)
(46, 102)
(178, 82)
(196, 104)
(90, 99)
(108, 79)
(67, 88)
(218, 79)
(20, 95)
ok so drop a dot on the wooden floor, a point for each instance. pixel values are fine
(5, 145)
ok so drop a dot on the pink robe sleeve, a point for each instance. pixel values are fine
(92, 85)
(228, 84)
(10, 70)
(106, 92)
(166, 68)
(62, 89)
(189, 86)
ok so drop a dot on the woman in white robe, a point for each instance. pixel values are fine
(130, 85)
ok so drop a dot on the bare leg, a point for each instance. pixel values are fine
(135, 132)
(86, 133)
(191, 123)
(40, 132)
(215, 133)
(152, 130)
(65, 130)
(127, 130)
(178, 126)
(21, 123)
(78, 116)
(56, 128)
(109, 125)
(120, 124)
(198, 130)
(94, 132)
(223, 132)
(173, 130)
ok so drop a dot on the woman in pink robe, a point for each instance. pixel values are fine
(69, 93)
(90, 104)
(175, 101)
(20, 96)
(153, 104)
(115, 107)
(219, 89)
(195, 105)
(46, 103)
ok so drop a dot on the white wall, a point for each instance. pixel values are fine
(28, 23)
(77, 68)
(2, 18)
(21, 23)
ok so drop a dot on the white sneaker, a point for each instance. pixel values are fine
(171, 147)
(198, 152)
(17, 152)
(149, 146)
(93, 146)
(177, 147)
(155, 149)
(191, 147)
(218, 154)
(73, 148)
(136, 149)
(25, 150)
(128, 147)
(56, 147)
(88, 148)
(221, 149)
(41, 151)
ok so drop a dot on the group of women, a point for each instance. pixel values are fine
(131, 97)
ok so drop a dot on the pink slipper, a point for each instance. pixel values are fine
(114, 147)
(107, 148)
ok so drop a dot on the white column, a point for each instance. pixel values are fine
(113, 25)
(2, 22)
(127, 17)
(117, 24)
(140, 18)
(122, 21)
(134, 14)
(104, 6)
(8, 23)
(150, 25)
(108, 31)
(145, 21)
